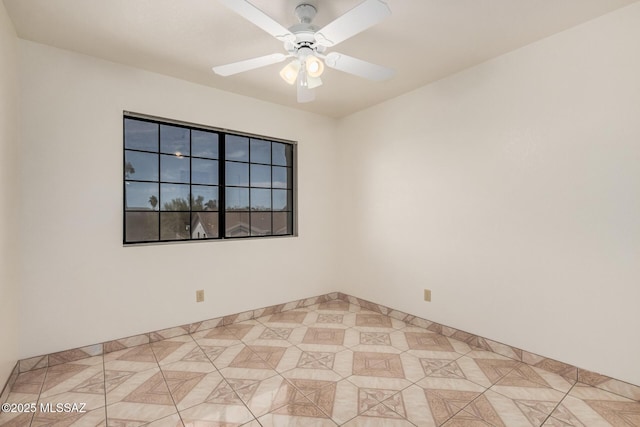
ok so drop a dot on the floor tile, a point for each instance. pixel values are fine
(76, 382)
(386, 341)
(285, 319)
(379, 383)
(337, 305)
(320, 365)
(481, 367)
(139, 397)
(334, 319)
(388, 365)
(467, 419)
(259, 395)
(134, 359)
(369, 321)
(525, 376)
(189, 386)
(15, 419)
(353, 401)
(296, 409)
(432, 401)
(29, 383)
(372, 419)
(519, 407)
(223, 336)
(170, 421)
(590, 406)
(182, 348)
(420, 339)
(276, 335)
(327, 364)
(95, 417)
(240, 361)
(212, 414)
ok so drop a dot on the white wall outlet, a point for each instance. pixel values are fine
(427, 295)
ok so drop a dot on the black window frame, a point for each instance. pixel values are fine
(289, 213)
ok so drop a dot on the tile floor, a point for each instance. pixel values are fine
(324, 365)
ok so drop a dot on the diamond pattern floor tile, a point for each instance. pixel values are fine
(331, 364)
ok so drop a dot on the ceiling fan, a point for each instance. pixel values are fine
(307, 44)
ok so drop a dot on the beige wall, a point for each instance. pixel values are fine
(9, 193)
(80, 285)
(512, 190)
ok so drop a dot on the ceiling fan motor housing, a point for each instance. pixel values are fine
(305, 13)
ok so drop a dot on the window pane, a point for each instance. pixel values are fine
(282, 177)
(139, 135)
(237, 174)
(261, 224)
(174, 169)
(204, 171)
(237, 199)
(204, 198)
(141, 196)
(282, 154)
(282, 223)
(174, 140)
(204, 225)
(141, 226)
(260, 151)
(260, 200)
(237, 224)
(174, 226)
(174, 197)
(282, 200)
(204, 144)
(237, 148)
(140, 166)
(260, 176)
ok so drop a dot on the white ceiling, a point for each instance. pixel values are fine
(423, 40)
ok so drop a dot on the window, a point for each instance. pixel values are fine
(183, 182)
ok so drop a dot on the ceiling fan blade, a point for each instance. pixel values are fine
(259, 18)
(305, 94)
(313, 82)
(361, 17)
(249, 64)
(357, 67)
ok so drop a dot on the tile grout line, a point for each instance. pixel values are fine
(44, 380)
(223, 379)
(166, 383)
(559, 403)
(288, 381)
(104, 387)
(279, 374)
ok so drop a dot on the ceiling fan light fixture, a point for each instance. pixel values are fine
(314, 66)
(290, 72)
(313, 82)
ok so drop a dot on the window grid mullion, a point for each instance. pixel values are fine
(222, 186)
(249, 185)
(190, 188)
(159, 186)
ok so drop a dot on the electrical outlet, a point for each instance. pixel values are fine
(200, 295)
(427, 295)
